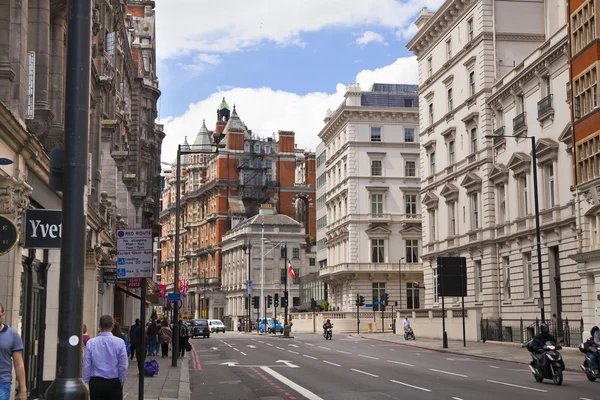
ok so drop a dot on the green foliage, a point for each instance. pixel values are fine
(325, 305)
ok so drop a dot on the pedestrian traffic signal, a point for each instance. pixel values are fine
(256, 302)
(276, 299)
(361, 301)
(386, 299)
(269, 301)
(285, 299)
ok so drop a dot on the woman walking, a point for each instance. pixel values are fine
(165, 335)
(152, 333)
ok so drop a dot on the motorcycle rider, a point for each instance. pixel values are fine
(538, 343)
(327, 325)
(594, 341)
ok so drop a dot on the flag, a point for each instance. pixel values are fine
(161, 290)
(183, 286)
(291, 270)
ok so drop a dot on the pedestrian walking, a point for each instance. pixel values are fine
(132, 330)
(152, 333)
(165, 334)
(184, 336)
(11, 352)
(105, 363)
(141, 350)
(86, 337)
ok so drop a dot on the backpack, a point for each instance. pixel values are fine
(150, 368)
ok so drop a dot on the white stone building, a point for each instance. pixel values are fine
(497, 67)
(372, 197)
(321, 213)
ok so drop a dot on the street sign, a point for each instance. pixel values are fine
(134, 283)
(134, 253)
(9, 234)
(110, 276)
(174, 296)
(43, 229)
(376, 302)
(368, 305)
(249, 284)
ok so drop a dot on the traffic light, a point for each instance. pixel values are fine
(256, 302)
(386, 298)
(269, 301)
(276, 299)
(285, 299)
(245, 303)
(361, 301)
(357, 301)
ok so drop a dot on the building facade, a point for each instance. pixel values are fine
(371, 181)
(218, 191)
(484, 70)
(124, 143)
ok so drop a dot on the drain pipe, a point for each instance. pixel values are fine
(579, 230)
(499, 281)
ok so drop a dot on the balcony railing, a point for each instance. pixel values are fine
(380, 217)
(544, 106)
(370, 268)
(519, 123)
(410, 217)
(499, 136)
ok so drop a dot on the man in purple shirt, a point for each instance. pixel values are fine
(105, 363)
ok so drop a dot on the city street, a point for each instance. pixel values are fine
(242, 366)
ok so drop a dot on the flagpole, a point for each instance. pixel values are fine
(262, 272)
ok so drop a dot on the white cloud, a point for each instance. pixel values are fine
(201, 62)
(266, 111)
(369, 37)
(238, 25)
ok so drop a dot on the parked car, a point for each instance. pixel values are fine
(216, 326)
(271, 326)
(199, 327)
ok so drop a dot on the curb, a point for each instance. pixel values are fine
(480, 356)
(184, 391)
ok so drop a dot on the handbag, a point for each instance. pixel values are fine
(188, 346)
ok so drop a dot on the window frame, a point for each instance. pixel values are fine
(411, 247)
(374, 168)
(375, 138)
(377, 246)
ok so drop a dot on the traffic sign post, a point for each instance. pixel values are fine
(134, 253)
(249, 285)
(174, 296)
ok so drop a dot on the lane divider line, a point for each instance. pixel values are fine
(241, 352)
(311, 357)
(308, 344)
(449, 373)
(325, 348)
(343, 352)
(329, 362)
(293, 352)
(363, 372)
(411, 386)
(493, 366)
(401, 363)
(292, 385)
(372, 358)
(518, 386)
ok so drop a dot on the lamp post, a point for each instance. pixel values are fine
(248, 294)
(262, 273)
(537, 216)
(400, 283)
(193, 149)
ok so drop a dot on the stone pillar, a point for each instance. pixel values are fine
(17, 51)
(90, 289)
(57, 79)
(196, 303)
(7, 74)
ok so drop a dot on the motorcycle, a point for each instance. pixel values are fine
(591, 351)
(553, 367)
(328, 334)
(409, 334)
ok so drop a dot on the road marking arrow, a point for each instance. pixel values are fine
(230, 363)
(288, 363)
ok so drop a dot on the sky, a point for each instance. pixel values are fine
(282, 63)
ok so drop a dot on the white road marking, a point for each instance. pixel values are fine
(293, 352)
(584, 398)
(345, 352)
(329, 362)
(269, 344)
(449, 373)
(301, 390)
(493, 366)
(308, 344)
(251, 346)
(292, 345)
(287, 363)
(280, 348)
(412, 386)
(372, 345)
(260, 341)
(417, 354)
(326, 348)
(517, 386)
(314, 358)
(363, 372)
(392, 350)
(401, 363)
(456, 398)
(236, 349)
(241, 352)
(373, 358)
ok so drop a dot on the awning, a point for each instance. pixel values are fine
(129, 293)
(236, 206)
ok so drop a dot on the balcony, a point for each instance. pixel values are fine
(410, 218)
(499, 136)
(353, 268)
(211, 216)
(519, 124)
(379, 218)
(544, 107)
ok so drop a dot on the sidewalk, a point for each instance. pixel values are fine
(171, 382)
(491, 350)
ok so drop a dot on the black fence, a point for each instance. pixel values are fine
(570, 333)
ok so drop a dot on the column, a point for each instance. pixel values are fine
(6, 71)
(196, 313)
(57, 73)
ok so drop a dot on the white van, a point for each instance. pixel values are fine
(216, 325)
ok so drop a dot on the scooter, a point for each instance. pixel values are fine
(553, 367)
(328, 334)
(409, 334)
(586, 367)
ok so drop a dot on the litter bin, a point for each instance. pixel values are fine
(370, 327)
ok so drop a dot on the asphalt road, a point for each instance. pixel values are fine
(238, 366)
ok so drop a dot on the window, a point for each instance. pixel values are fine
(268, 164)
(110, 44)
(409, 135)
(296, 252)
(432, 163)
(410, 204)
(588, 158)
(311, 262)
(524, 203)
(429, 67)
(450, 108)
(451, 152)
(378, 292)
(470, 29)
(475, 210)
(586, 92)
(472, 83)
(377, 204)
(408, 103)
(245, 163)
(452, 218)
(473, 140)
(478, 279)
(435, 285)
(267, 149)
(448, 49)
(375, 134)
(550, 189)
(547, 86)
(583, 26)
(432, 224)
(412, 295)
(430, 113)
(268, 179)
(296, 279)
(507, 277)
(283, 275)
(520, 104)
(410, 168)
(501, 200)
(247, 147)
(377, 250)
(296, 300)
(412, 250)
(376, 168)
(257, 164)
(257, 148)
(528, 273)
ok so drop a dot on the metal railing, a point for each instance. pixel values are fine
(519, 122)
(544, 105)
(522, 331)
(499, 136)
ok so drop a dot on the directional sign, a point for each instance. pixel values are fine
(174, 296)
(376, 302)
(368, 305)
(249, 284)
(134, 253)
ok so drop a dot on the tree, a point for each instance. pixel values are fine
(153, 316)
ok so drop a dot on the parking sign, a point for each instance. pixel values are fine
(134, 253)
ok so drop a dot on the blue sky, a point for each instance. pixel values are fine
(282, 63)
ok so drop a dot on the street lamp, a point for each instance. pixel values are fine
(400, 283)
(193, 149)
(249, 254)
(537, 215)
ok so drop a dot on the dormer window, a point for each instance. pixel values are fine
(257, 148)
(267, 149)
(247, 147)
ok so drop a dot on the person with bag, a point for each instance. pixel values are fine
(165, 334)
(184, 336)
(152, 333)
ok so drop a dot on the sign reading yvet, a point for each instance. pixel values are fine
(43, 229)
(9, 235)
